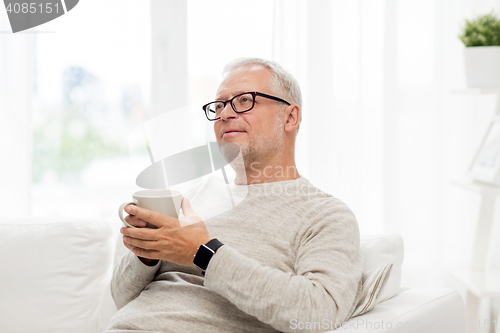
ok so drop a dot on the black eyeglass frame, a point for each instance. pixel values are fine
(253, 93)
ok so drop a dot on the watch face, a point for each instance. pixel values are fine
(203, 257)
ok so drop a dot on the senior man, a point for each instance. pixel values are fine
(287, 255)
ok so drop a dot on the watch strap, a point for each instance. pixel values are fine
(214, 244)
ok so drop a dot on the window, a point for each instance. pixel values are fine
(92, 87)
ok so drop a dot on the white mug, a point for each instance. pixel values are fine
(166, 202)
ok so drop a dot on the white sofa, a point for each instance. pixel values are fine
(55, 277)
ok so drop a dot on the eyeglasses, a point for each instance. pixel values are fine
(240, 103)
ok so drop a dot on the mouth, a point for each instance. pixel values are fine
(231, 133)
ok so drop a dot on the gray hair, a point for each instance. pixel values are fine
(284, 85)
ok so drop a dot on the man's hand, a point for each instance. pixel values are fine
(138, 223)
(174, 240)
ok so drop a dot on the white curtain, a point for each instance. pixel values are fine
(381, 127)
(169, 55)
(16, 87)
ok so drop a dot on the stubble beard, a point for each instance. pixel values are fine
(258, 151)
(255, 154)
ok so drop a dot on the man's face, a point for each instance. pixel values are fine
(259, 132)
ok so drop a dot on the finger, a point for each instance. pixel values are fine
(132, 248)
(127, 245)
(130, 204)
(148, 254)
(154, 218)
(186, 208)
(135, 221)
(146, 245)
(140, 233)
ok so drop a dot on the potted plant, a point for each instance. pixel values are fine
(481, 37)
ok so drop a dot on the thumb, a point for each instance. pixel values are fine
(190, 215)
(187, 209)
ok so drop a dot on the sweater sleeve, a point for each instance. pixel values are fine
(324, 286)
(130, 277)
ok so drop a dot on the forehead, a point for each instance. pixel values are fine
(247, 78)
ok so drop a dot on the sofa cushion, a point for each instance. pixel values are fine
(380, 250)
(54, 274)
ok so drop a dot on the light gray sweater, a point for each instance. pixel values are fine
(291, 257)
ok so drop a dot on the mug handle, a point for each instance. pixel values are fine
(120, 212)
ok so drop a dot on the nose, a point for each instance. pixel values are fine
(228, 112)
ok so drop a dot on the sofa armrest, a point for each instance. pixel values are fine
(414, 310)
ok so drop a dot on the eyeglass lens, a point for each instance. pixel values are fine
(240, 103)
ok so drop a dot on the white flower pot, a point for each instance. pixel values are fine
(482, 66)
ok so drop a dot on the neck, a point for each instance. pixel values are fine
(275, 169)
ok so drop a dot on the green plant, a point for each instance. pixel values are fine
(481, 31)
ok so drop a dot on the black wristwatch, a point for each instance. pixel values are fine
(205, 253)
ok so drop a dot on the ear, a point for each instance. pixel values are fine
(292, 116)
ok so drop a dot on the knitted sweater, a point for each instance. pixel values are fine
(290, 263)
